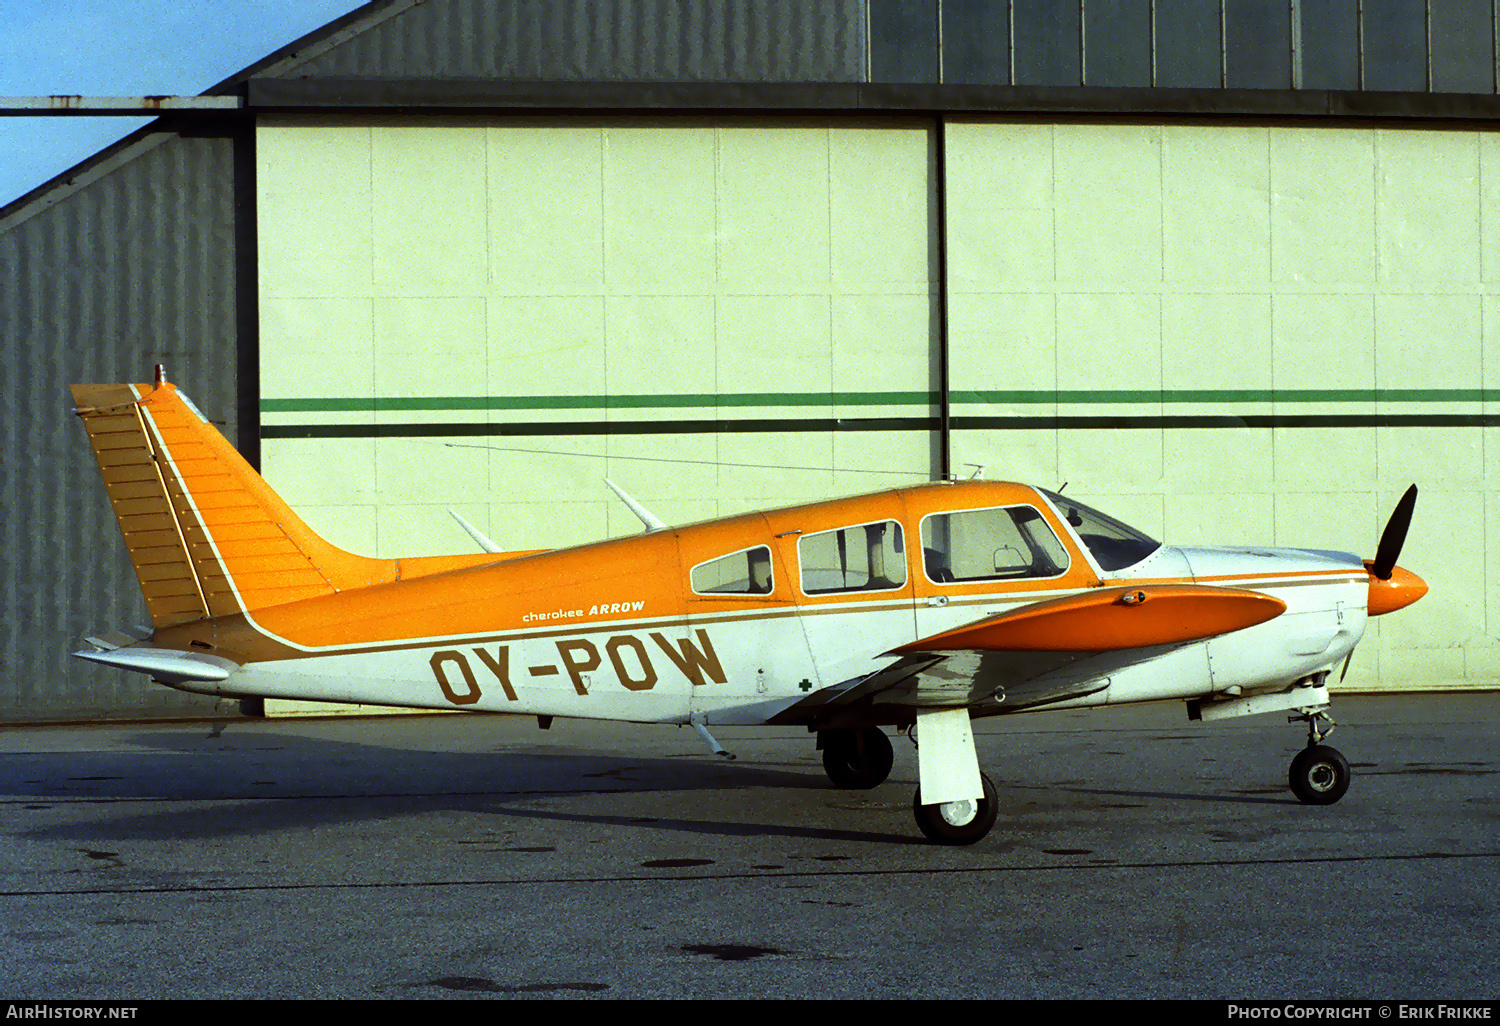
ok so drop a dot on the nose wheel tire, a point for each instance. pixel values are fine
(857, 759)
(1319, 775)
(957, 822)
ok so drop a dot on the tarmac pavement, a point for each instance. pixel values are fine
(1137, 855)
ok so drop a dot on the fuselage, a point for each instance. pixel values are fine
(742, 619)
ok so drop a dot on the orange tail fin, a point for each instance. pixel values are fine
(207, 535)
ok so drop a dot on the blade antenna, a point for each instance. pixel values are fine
(475, 533)
(651, 520)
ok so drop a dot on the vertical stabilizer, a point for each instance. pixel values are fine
(208, 537)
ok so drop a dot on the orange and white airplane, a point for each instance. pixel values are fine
(918, 607)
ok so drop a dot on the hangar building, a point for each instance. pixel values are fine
(1229, 269)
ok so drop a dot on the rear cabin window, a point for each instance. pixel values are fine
(1000, 544)
(747, 572)
(869, 557)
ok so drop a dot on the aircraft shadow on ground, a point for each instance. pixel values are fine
(265, 783)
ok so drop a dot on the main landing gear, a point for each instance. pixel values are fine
(1319, 775)
(856, 759)
(960, 803)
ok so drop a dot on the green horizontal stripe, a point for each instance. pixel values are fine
(368, 404)
(401, 404)
(826, 424)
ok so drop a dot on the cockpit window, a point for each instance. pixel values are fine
(739, 573)
(1114, 545)
(869, 557)
(1000, 544)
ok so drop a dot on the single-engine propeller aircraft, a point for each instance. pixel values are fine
(919, 607)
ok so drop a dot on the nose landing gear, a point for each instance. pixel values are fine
(1319, 775)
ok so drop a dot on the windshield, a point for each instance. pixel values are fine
(1114, 545)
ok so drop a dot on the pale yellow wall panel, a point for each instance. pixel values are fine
(1490, 558)
(1428, 207)
(1442, 547)
(1407, 668)
(1324, 341)
(1449, 457)
(315, 346)
(659, 232)
(554, 525)
(429, 207)
(774, 344)
(870, 461)
(427, 528)
(1229, 518)
(320, 470)
(546, 209)
(1000, 213)
(1005, 341)
(1482, 666)
(1016, 249)
(1217, 460)
(1115, 245)
(773, 209)
(760, 470)
(659, 467)
(1216, 220)
(1322, 206)
(1313, 458)
(414, 470)
(1428, 341)
(544, 470)
(430, 347)
(659, 344)
(1108, 165)
(1120, 460)
(1489, 206)
(1027, 456)
(1336, 519)
(1216, 341)
(882, 343)
(880, 209)
(313, 209)
(1490, 441)
(1109, 340)
(545, 346)
(1489, 374)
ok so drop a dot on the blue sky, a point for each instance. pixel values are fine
(125, 48)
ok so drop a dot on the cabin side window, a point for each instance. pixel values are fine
(868, 557)
(747, 572)
(1001, 544)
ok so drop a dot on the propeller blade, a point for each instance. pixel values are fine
(1394, 536)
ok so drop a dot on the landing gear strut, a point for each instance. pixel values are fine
(856, 759)
(1319, 775)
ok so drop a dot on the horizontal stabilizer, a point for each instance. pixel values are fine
(164, 664)
(1109, 619)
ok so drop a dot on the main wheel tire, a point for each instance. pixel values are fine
(1319, 775)
(957, 822)
(857, 759)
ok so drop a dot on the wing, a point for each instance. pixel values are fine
(1038, 654)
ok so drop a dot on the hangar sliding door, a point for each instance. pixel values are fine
(1245, 335)
(494, 315)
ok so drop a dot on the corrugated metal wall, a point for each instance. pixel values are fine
(132, 269)
(611, 41)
